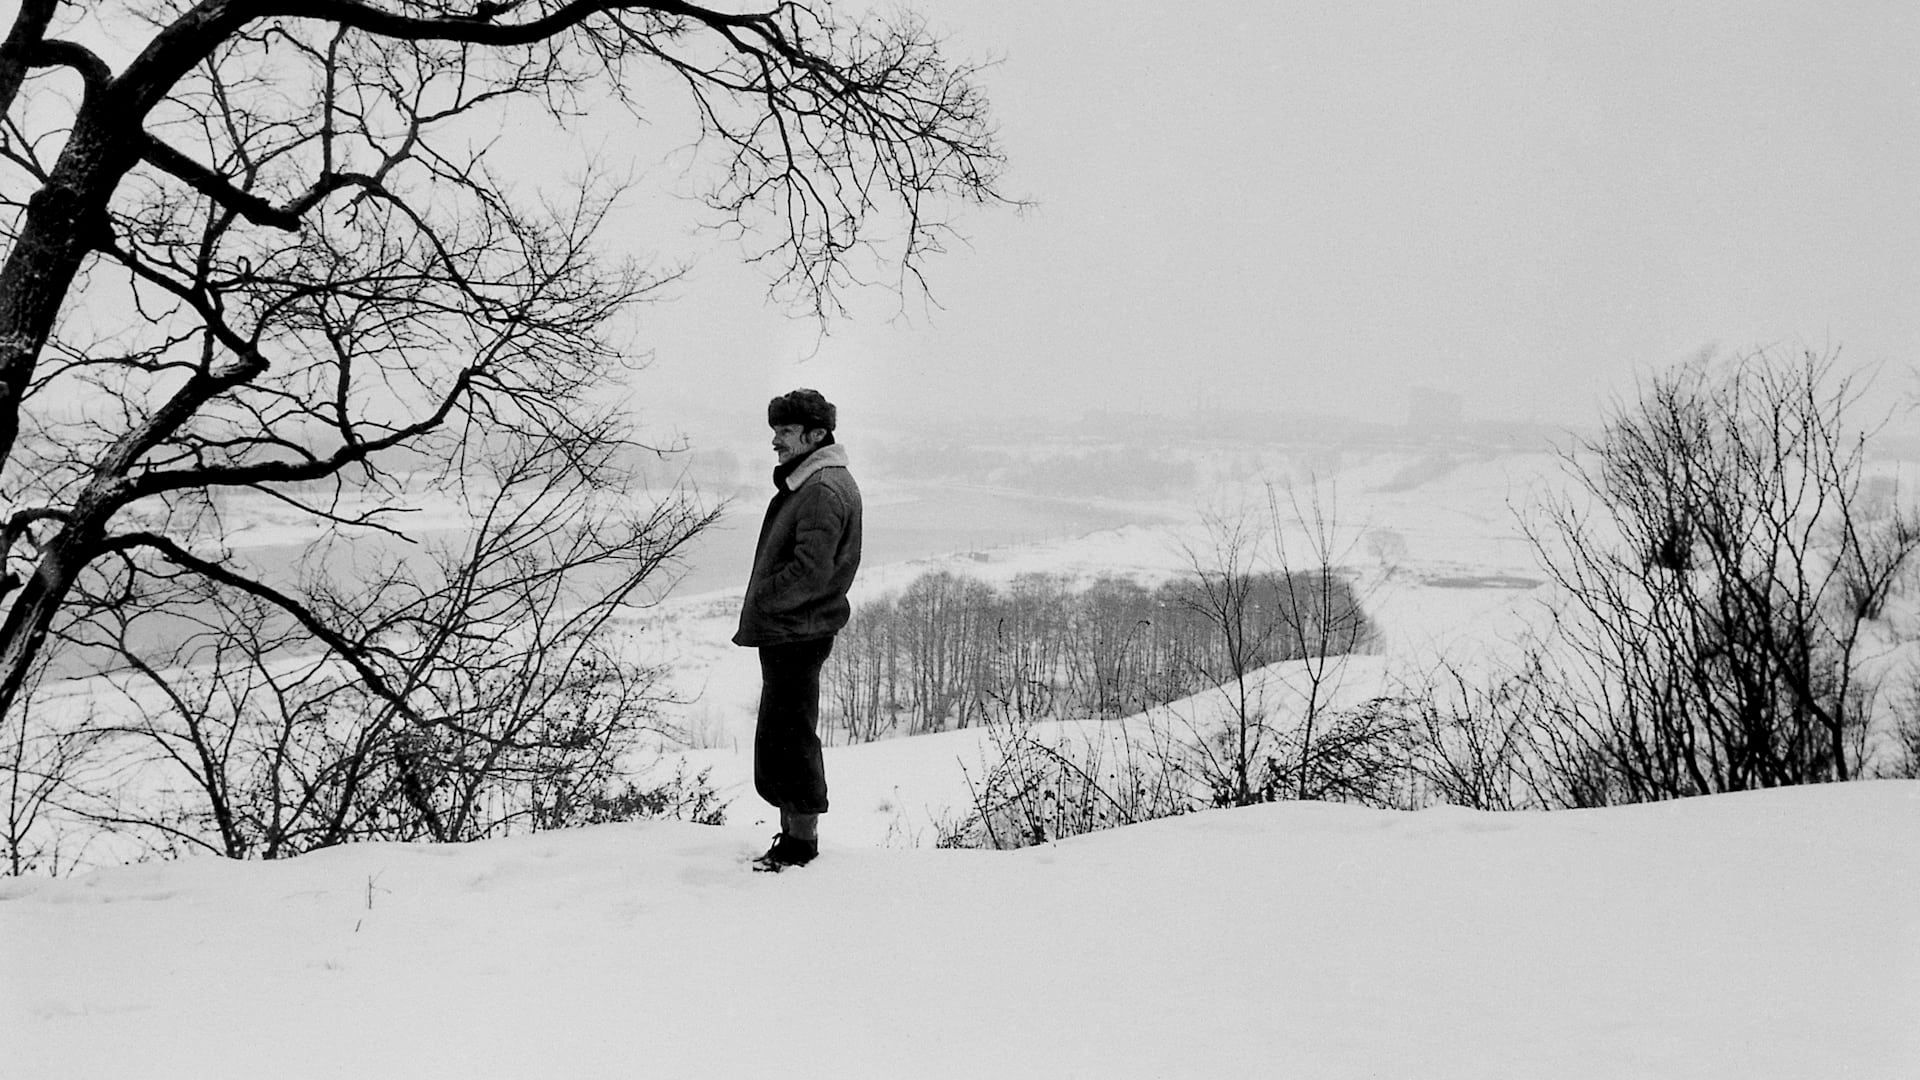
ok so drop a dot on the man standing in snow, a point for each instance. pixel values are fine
(796, 602)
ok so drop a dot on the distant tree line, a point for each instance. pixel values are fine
(952, 651)
(1730, 607)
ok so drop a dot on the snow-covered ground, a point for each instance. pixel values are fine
(1773, 934)
(1434, 541)
(1762, 935)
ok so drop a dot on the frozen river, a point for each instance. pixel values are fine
(901, 526)
(915, 526)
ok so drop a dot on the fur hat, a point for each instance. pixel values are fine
(804, 407)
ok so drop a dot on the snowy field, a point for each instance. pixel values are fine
(1762, 935)
(1433, 540)
(1766, 935)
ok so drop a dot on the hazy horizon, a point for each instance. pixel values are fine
(1325, 209)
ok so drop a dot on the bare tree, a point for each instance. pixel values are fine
(1322, 615)
(1225, 594)
(265, 257)
(951, 650)
(862, 675)
(1723, 596)
(1902, 759)
(40, 764)
(284, 258)
(1026, 669)
(1261, 600)
(1110, 645)
(238, 738)
(945, 635)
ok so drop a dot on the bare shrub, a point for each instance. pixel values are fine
(1717, 609)
(40, 763)
(1902, 757)
(1035, 788)
(1040, 783)
(1357, 755)
(1503, 738)
(680, 797)
(1257, 600)
(480, 692)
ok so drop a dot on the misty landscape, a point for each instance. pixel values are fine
(1390, 543)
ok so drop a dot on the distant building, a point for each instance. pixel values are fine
(1877, 496)
(1432, 408)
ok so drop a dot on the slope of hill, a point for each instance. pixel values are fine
(1762, 935)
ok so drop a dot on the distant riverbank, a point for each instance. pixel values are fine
(902, 525)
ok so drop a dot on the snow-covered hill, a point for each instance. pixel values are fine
(1742, 937)
(1766, 935)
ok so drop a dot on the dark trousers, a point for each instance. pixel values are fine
(788, 770)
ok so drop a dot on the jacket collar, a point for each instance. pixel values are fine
(830, 456)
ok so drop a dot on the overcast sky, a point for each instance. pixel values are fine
(1325, 206)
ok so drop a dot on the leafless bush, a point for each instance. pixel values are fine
(1256, 600)
(1506, 738)
(1035, 788)
(1470, 742)
(1902, 757)
(1041, 783)
(680, 797)
(1718, 608)
(1357, 755)
(40, 762)
(479, 691)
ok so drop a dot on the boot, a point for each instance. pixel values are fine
(796, 845)
(802, 827)
(801, 838)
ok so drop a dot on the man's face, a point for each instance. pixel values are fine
(792, 440)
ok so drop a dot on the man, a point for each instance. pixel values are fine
(796, 602)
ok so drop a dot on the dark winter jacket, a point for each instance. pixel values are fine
(808, 552)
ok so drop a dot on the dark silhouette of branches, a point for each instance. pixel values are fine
(268, 258)
(1721, 604)
(479, 691)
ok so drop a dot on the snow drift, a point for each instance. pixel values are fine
(1771, 934)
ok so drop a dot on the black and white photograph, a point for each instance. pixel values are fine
(922, 539)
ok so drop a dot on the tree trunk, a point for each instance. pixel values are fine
(30, 616)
